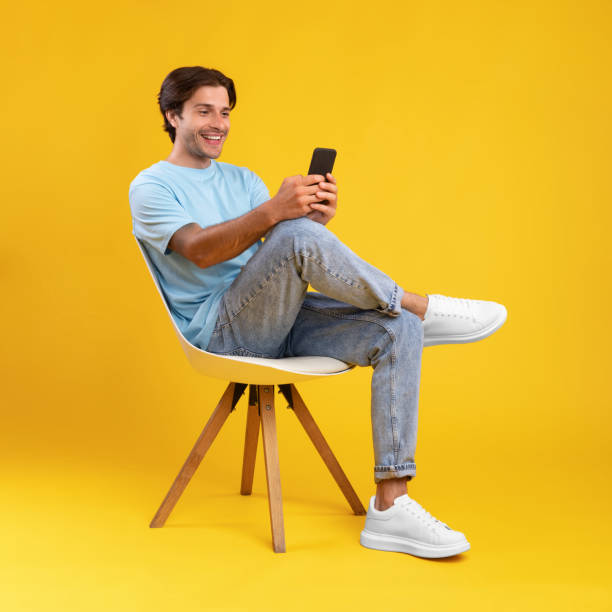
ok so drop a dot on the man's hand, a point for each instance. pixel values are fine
(323, 213)
(294, 197)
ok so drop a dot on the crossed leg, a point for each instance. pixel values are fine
(361, 316)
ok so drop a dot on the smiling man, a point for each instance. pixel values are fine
(230, 292)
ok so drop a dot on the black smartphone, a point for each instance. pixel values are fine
(322, 162)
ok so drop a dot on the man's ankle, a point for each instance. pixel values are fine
(384, 504)
(388, 490)
(415, 303)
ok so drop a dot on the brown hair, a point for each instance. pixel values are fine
(180, 85)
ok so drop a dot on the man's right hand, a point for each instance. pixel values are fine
(295, 196)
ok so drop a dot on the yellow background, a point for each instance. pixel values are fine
(473, 160)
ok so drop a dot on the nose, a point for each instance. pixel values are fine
(218, 123)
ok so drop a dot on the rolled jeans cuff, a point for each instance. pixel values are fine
(384, 472)
(394, 308)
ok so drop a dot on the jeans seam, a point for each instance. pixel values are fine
(391, 308)
(239, 351)
(400, 466)
(250, 353)
(327, 271)
(393, 398)
(357, 317)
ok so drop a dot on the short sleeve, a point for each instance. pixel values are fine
(258, 191)
(156, 214)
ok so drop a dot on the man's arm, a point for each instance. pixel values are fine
(206, 247)
(296, 197)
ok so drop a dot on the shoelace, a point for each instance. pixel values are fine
(418, 509)
(456, 307)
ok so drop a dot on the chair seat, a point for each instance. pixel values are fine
(302, 365)
(260, 370)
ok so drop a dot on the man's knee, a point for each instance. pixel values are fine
(301, 225)
(401, 336)
(296, 232)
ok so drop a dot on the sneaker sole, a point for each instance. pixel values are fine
(378, 541)
(472, 337)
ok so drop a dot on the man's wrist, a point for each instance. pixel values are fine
(269, 210)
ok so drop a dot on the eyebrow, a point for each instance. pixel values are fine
(210, 106)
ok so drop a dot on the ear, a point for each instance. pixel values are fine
(171, 119)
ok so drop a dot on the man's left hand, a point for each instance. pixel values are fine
(322, 213)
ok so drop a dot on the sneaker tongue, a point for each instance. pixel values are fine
(404, 496)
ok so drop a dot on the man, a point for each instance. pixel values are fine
(202, 221)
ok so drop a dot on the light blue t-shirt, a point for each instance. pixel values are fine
(164, 198)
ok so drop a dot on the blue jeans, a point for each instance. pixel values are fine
(357, 318)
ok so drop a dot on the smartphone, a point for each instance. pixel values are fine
(322, 162)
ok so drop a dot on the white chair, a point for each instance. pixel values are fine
(261, 375)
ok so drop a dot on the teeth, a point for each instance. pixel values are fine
(213, 137)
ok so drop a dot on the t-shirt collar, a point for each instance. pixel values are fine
(196, 173)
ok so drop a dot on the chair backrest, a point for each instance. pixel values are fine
(151, 268)
(251, 370)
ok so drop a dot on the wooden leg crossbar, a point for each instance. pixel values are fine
(261, 410)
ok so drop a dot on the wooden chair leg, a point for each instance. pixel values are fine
(270, 444)
(251, 439)
(313, 431)
(209, 433)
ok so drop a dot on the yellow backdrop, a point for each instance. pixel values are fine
(473, 160)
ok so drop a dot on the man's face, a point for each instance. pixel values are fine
(206, 113)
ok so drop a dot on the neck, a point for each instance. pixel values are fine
(181, 158)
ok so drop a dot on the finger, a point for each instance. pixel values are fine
(326, 200)
(331, 178)
(313, 178)
(324, 209)
(311, 189)
(326, 195)
(329, 187)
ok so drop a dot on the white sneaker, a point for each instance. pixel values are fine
(407, 527)
(451, 320)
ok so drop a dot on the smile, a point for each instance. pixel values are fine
(217, 139)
